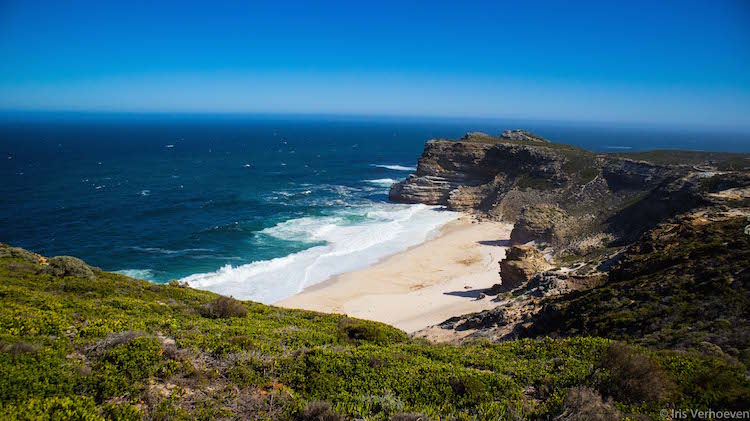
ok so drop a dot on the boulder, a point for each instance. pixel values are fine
(520, 264)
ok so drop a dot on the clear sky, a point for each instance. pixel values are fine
(663, 62)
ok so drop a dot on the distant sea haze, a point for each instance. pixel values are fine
(257, 208)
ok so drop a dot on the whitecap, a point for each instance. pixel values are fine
(346, 240)
(619, 147)
(145, 192)
(385, 182)
(146, 274)
(395, 167)
(158, 250)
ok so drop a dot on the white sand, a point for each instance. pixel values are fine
(422, 286)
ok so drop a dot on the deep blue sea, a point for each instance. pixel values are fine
(258, 207)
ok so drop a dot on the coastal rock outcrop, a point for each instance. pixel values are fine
(544, 222)
(559, 194)
(518, 134)
(476, 171)
(521, 263)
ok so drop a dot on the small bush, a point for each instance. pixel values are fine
(115, 339)
(7, 252)
(634, 377)
(318, 411)
(361, 331)
(223, 308)
(586, 404)
(386, 403)
(22, 348)
(70, 266)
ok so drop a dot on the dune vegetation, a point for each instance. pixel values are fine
(79, 343)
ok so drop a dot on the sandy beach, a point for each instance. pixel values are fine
(422, 286)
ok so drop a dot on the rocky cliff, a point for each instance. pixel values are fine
(560, 194)
(650, 247)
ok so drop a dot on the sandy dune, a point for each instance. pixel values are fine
(422, 286)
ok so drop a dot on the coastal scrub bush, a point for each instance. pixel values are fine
(586, 404)
(362, 331)
(634, 376)
(93, 349)
(53, 409)
(70, 266)
(318, 411)
(124, 367)
(223, 308)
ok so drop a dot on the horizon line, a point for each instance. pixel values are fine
(365, 116)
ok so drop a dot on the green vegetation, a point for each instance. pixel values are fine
(119, 348)
(724, 161)
(684, 285)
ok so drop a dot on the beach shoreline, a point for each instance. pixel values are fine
(421, 286)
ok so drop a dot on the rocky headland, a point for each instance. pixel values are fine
(580, 222)
(559, 194)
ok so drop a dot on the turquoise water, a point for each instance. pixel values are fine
(254, 207)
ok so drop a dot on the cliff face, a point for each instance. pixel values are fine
(466, 174)
(519, 176)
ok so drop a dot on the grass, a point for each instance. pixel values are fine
(120, 348)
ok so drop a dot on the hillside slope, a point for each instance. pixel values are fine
(78, 343)
(684, 285)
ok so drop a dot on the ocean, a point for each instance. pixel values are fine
(258, 207)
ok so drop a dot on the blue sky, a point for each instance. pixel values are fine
(662, 62)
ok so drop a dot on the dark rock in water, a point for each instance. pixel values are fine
(70, 266)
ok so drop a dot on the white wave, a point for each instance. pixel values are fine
(350, 239)
(146, 274)
(159, 250)
(385, 182)
(619, 147)
(145, 192)
(395, 167)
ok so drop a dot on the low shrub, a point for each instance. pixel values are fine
(586, 404)
(376, 333)
(70, 266)
(318, 411)
(633, 376)
(223, 308)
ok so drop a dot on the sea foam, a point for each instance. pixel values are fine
(348, 240)
(395, 167)
(145, 274)
(384, 182)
